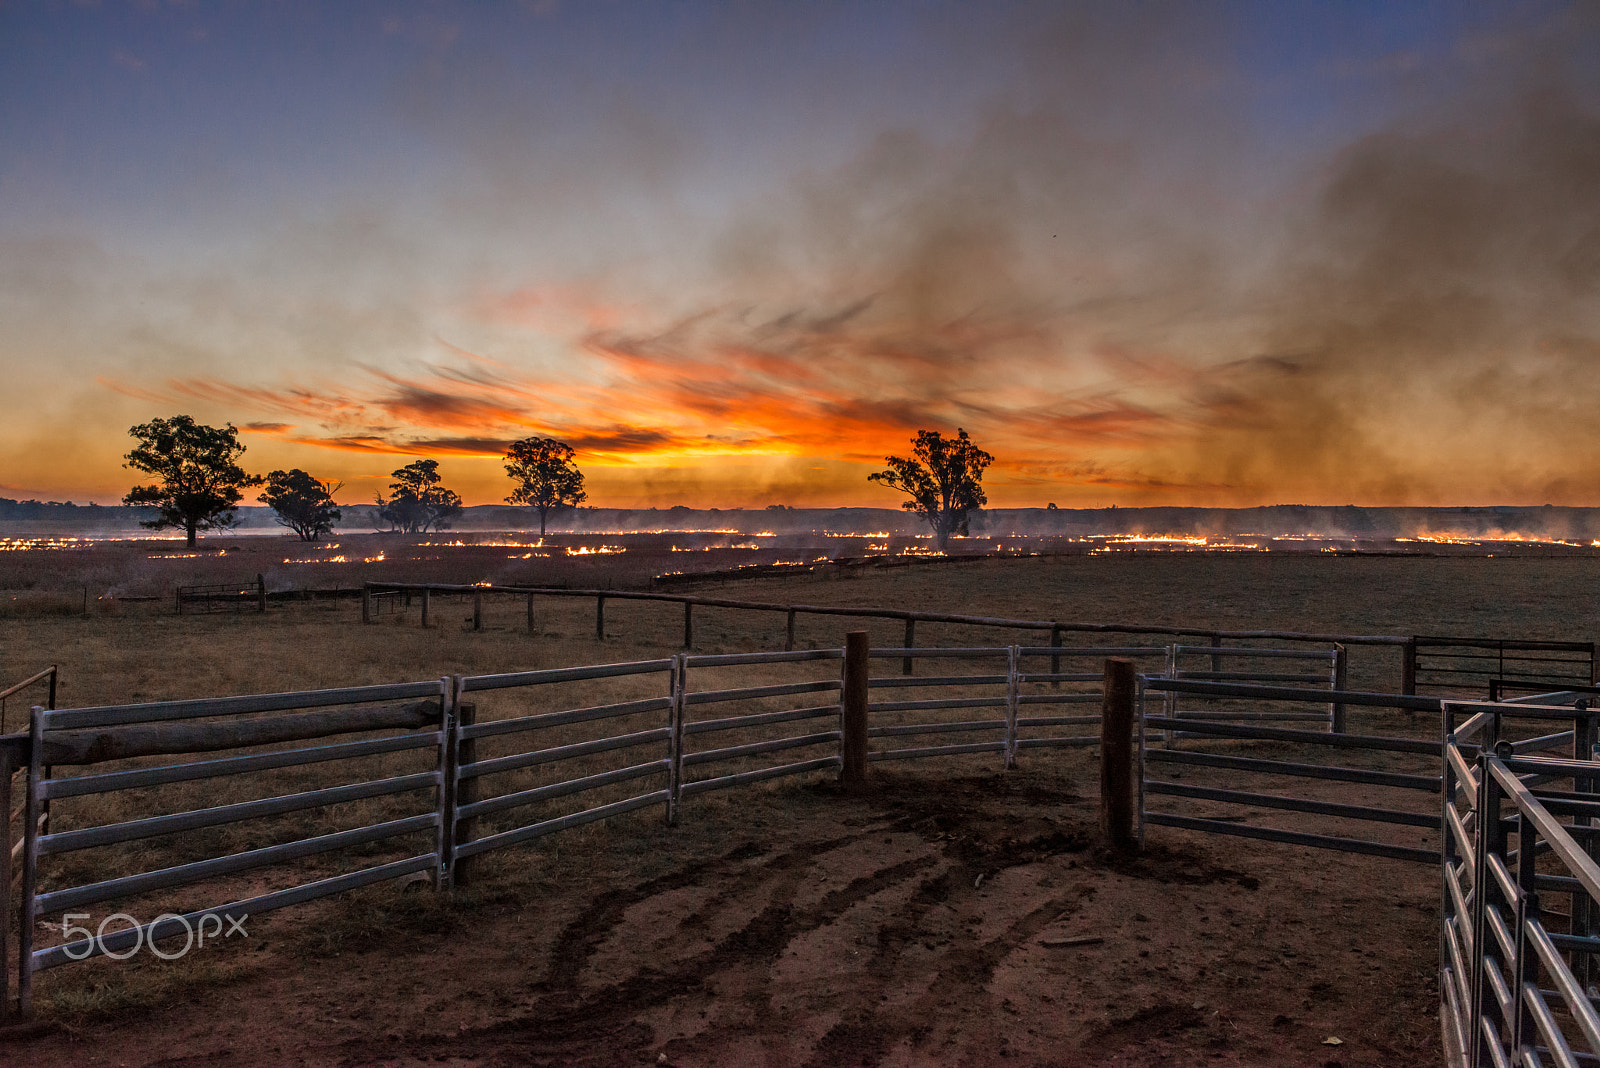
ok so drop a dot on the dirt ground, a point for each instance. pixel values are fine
(966, 921)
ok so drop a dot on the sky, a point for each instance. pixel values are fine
(735, 254)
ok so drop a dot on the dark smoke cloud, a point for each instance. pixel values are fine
(1436, 335)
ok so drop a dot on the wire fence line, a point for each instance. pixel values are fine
(377, 596)
(1438, 665)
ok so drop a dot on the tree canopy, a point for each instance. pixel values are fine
(546, 477)
(943, 479)
(304, 504)
(418, 500)
(199, 480)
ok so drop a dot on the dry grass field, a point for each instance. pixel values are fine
(953, 913)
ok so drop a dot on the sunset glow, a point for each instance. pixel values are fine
(1217, 255)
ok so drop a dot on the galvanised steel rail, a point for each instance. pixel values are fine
(464, 771)
(1009, 698)
(649, 743)
(45, 784)
(1229, 725)
(1449, 663)
(691, 728)
(1517, 977)
(1332, 675)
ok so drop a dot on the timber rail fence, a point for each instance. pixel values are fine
(376, 594)
(1431, 663)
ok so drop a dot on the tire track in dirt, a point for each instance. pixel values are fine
(962, 972)
(566, 1016)
(607, 1015)
(759, 941)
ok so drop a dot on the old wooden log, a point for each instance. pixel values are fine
(116, 743)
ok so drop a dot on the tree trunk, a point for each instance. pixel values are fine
(188, 529)
(541, 523)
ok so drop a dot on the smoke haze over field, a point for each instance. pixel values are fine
(1346, 527)
(1146, 254)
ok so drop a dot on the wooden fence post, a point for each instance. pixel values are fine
(911, 643)
(1341, 670)
(1116, 753)
(1408, 667)
(425, 605)
(853, 706)
(466, 793)
(788, 642)
(446, 795)
(477, 611)
(600, 617)
(688, 624)
(366, 602)
(1055, 658)
(530, 613)
(1216, 658)
(261, 593)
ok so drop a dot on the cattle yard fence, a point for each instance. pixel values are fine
(1214, 768)
(433, 774)
(1520, 902)
(217, 809)
(1514, 830)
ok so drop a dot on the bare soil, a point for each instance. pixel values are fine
(964, 920)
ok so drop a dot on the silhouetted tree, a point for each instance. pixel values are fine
(200, 480)
(546, 477)
(417, 501)
(943, 479)
(304, 504)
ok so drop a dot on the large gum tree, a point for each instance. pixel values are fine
(196, 468)
(304, 503)
(419, 501)
(546, 477)
(944, 479)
